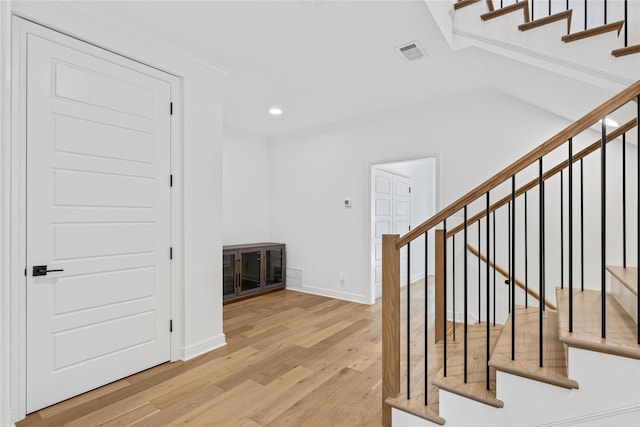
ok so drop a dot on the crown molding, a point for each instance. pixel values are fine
(606, 79)
(388, 114)
(242, 133)
(152, 38)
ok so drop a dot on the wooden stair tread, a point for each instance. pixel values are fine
(464, 3)
(416, 407)
(623, 51)
(524, 6)
(565, 14)
(475, 387)
(621, 331)
(526, 363)
(627, 276)
(613, 26)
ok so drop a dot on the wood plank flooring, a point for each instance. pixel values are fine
(292, 359)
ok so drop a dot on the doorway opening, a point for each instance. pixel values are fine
(403, 195)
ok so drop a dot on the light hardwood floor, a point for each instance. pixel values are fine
(292, 359)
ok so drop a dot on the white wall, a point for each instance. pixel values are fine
(245, 193)
(201, 108)
(472, 137)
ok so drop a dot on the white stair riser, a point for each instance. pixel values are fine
(608, 396)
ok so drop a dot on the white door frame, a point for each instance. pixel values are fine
(14, 203)
(5, 250)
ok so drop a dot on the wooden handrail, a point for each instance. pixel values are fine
(551, 172)
(627, 95)
(505, 273)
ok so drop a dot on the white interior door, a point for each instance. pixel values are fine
(382, 223)
(401, 223)
(98, 210)
(391, 199)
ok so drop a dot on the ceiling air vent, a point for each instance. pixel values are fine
(411, 51)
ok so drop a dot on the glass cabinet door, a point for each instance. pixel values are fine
(274, 266)
(250, 271)
(228, 275)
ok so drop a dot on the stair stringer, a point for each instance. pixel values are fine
(587, 60)
(608, 396)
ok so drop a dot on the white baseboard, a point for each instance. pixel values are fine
(202, 347)
(599, 416)
(347, 296)
(459, 317)
(415, 278)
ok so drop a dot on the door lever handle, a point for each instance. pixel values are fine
(41, 270)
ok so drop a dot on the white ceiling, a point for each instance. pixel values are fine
(330, 62)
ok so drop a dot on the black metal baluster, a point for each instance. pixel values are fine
(581, 225)
(561, 229)
(624, 200)
(444, 296)
(487, 294)
(408, 320)
(509, 278)
(526, 255)
(585, 14)
(494, 268)
(466, 283)
(626, 24)
(541, 255)
(549, 7)
(603, 226)
(513, 267)
(426, 316)
(479, 272)
(605, 12)
(453, 280)
(532, 14)
(570, 234)
(544, 249)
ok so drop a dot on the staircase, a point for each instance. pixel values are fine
(583, 40)
(536, 339)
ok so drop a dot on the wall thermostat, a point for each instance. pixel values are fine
(347, 203)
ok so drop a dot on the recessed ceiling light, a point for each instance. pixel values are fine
(275, 111)
(610, 122)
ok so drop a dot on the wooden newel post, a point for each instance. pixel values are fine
(390, 323)
(439, 302)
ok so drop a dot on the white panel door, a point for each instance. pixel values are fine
(98, 210)
(383, 221)
(391, 196)
(401, 221)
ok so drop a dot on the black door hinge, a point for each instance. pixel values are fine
(171, 180)
(171, 252)
(171, 325)
(171, 108)
(25, 272)
(409, 190)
